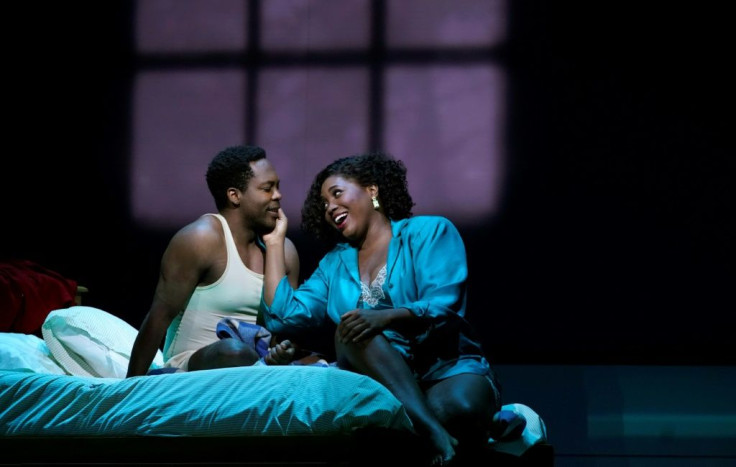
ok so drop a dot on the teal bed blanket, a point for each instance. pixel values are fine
(258, 400)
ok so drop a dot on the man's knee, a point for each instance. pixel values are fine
(237, 353)
(225, 353)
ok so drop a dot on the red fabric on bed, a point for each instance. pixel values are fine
(29, 292)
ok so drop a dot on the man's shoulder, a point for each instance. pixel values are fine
(204, 228)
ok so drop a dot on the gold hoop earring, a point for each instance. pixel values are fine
(375, 203)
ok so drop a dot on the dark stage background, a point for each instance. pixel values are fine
(614, 237)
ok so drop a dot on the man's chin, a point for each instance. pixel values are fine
(265, 228)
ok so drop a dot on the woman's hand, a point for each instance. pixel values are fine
(278, 234)
(359, 324)
(275, 266)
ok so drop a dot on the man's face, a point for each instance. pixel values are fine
(262, 198)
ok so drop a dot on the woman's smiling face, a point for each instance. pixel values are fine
(347, 205)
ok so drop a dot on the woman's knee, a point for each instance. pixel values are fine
(364, 354)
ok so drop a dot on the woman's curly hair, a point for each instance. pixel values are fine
(373, 168)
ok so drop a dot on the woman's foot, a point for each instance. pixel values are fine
(445, 446)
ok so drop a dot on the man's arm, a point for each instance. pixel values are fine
(182, 265)
(150, 336)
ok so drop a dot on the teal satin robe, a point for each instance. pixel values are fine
(426, 274)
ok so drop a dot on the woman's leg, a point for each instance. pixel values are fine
(376, 358)
(465, 404)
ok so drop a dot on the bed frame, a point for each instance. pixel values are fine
(363, 448)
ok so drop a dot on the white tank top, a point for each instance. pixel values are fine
(236, 294)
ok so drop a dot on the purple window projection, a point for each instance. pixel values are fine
(446, 121)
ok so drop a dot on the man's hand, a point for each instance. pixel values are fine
(281, 353)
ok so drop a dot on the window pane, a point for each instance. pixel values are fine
(438, 23)
(180, 121)
(190, 26)
(446, 124)
(307, 117)
(298, 25)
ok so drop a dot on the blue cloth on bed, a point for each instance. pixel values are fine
(254, 334)
(260, 337)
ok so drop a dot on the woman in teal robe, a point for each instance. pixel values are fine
(395, 286)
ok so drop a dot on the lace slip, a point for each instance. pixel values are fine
(373, 294)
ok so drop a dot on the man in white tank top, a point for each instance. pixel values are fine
(213, 269)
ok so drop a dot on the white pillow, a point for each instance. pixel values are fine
(87, 341)
(26, 352)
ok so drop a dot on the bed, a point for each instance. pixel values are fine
(64, 399)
